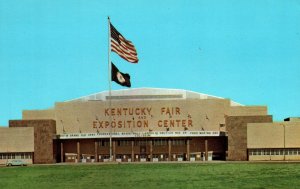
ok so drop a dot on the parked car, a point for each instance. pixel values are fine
(16, 162)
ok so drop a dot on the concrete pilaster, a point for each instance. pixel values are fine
(114, 150)
(151, 150)
(96, 151)
(169, 149)
(188, 149)
(206, 150)
(61, 151)
(132, 150)
(78, 152)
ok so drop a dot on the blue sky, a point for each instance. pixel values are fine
(56, 50)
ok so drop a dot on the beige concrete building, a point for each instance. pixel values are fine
(274, 141)
(144, 124)
(16, 143)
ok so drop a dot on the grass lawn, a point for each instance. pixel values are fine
(156, 175)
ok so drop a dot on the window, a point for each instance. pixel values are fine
(280, 152)
(160, 142)
(286, 152)
(251, 152)
(104, 143)
(178, 142)
(293, 152)
(124, 143)
(140, 143)
(27, 155)
(265, 152)
(18, 156)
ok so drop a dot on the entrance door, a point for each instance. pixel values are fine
(142, 149)
(143, 154)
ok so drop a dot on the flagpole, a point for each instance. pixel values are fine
(109, 84)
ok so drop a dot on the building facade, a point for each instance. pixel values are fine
(16, 143)
(274, 141)
(142, 125)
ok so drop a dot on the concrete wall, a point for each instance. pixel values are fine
(44, 133)
(277, 136)
(143, 115)
(16, 139)
(275, 158)
(38, 114)
(248, 110)
(267, 158)
(292, 134)
(273, 135)
(265, 135)
(237, 134)
(137, 115)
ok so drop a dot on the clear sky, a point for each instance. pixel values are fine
(56, 50)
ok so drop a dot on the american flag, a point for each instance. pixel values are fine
(122, 46)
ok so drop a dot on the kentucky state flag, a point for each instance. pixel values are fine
(119, 77)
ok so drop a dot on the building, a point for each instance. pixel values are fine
(274, 141)
(16, 143)
(144, 124)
